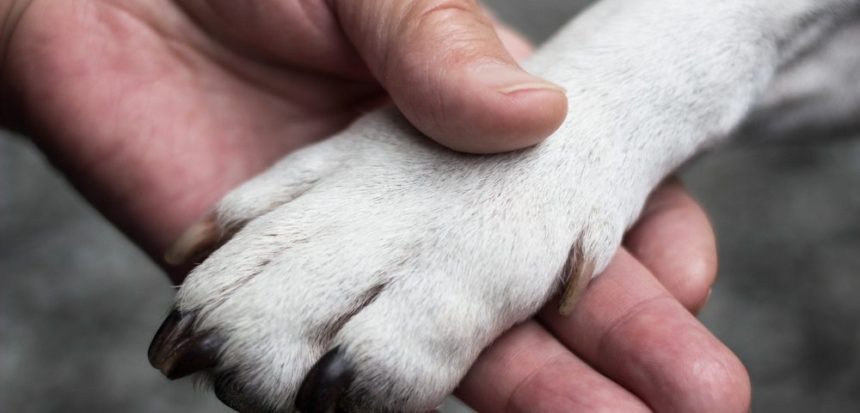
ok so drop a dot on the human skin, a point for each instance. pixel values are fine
(155, 109)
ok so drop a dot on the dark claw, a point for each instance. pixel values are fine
(225, 390)
(325, 384)
(174, 324)
(233, 395)
(178, 351)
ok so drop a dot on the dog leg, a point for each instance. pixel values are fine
(814, 97)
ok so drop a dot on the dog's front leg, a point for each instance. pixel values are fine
(815, 97)
(654, 82)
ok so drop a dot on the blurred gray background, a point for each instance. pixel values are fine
(79, 303)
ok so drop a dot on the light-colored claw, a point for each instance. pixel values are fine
(196, 240)
(579, 270)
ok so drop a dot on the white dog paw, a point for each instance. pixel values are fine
(367, 273)
(281, 183)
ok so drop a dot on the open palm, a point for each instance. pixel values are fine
(173, 116)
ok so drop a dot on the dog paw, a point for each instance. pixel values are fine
(368, 272)
(281, 183)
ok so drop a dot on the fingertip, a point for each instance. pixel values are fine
(695, 292)
(675, 363)
(642, 338)
(674, 239)
(729, 385)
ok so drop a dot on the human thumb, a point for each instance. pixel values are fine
(445, 68)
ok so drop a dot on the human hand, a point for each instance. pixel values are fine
(632, 343)
(155, 109)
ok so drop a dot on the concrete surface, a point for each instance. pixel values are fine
(79, 303)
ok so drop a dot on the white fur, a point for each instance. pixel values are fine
(436, 253)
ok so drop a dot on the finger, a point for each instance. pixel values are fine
(446, 69)
(528, 370)
(631, 329)
(675, 241)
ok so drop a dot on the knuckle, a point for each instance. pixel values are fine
(454, 22)
(434, 9)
